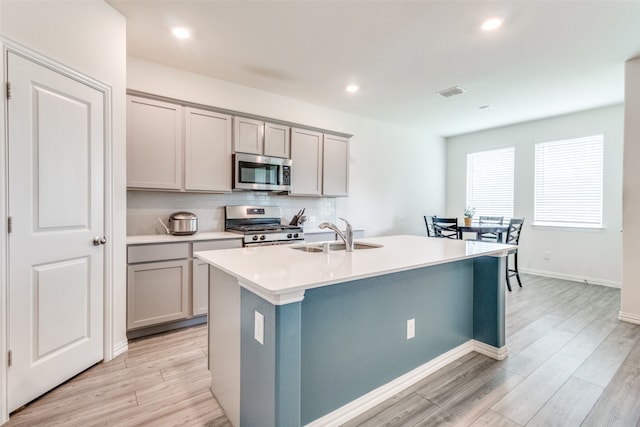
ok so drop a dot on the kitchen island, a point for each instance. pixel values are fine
(312, 338)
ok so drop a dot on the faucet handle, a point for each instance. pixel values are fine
(347, 222)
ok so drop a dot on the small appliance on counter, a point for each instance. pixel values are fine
(261, 225)
(181, 224)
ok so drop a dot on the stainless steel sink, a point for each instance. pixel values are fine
(338, 246)
(308, 248)
(356, 245)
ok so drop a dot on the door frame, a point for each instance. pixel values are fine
(7, 46)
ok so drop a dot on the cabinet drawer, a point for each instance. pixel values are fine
(211, 245)
(158, 252)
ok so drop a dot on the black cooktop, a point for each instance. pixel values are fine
(257, 228)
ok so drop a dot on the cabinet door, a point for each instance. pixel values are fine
(154, 144)
(200, 276)
(248, 135)
(207, 150)
(306, 167)
(199, 299)
(276, 140)
(157, 292)
(335, 168)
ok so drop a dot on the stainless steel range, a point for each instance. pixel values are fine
(261, 225)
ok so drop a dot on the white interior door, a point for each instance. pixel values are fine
(56, 140)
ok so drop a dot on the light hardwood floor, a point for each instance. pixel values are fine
(161, 380)
(571, 363)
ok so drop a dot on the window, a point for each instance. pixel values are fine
(568, 182)
(490, 182)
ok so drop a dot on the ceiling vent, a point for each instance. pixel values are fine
(452, 91)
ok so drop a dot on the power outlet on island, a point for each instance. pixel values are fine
(258, 327)
(411, 328)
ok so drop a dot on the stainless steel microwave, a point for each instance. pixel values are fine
(261, 173)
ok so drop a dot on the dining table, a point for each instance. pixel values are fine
(479, 229)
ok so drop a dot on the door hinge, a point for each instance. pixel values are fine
(8, 90)
(10, 358)
(9, 224)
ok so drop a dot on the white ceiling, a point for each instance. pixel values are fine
(549, 57)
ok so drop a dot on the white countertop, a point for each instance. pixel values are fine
(168, 238)
(281, 274)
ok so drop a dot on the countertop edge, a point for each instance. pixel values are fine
(167, 238)
(296, 293)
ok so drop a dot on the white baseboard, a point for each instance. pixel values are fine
(628, 317)
(488, 350)
(120, 348)
(572, 278)
(390, 389)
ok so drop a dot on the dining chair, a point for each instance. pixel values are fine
(428, 222)
(513, 238)
(445, 227)
(490, 220)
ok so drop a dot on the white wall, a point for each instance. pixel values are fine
(575, 254)
(395, 177)
(630, 307)
(89, 37)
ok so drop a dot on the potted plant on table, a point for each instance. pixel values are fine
(468, 216)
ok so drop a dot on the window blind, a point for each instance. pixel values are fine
(568, 182)
(490, 182)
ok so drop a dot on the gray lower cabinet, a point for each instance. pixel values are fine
(166, 284)
(329, 236)
(157, 284)
(157, 293)
(200, 269)
(319, 237)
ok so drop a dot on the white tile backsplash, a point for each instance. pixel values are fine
(145, 207)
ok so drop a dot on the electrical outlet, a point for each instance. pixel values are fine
(258, 327)
(411, 328)
(547, 255)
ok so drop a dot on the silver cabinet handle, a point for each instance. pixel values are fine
(97, 241)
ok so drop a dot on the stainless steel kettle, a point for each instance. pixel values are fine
(181, 224)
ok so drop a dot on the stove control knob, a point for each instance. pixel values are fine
(263, 237)
(289, 236)
(295, 235)
(255, 237)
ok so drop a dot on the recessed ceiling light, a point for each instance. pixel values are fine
(452, 91)
(181, 33)
(352, 88)
(491, 24)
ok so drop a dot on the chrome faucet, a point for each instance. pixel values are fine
(347, 236)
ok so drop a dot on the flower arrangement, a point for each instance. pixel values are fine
(469, 212)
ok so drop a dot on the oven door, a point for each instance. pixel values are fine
(262, 173)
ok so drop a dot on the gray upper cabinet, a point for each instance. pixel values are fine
(320, 164)
(171, 147)
(277, 140)
(207, 151)
(306, 158)
(257, 137)
(154, 144)
(335, 166)
(185, 148)
(248, 135)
